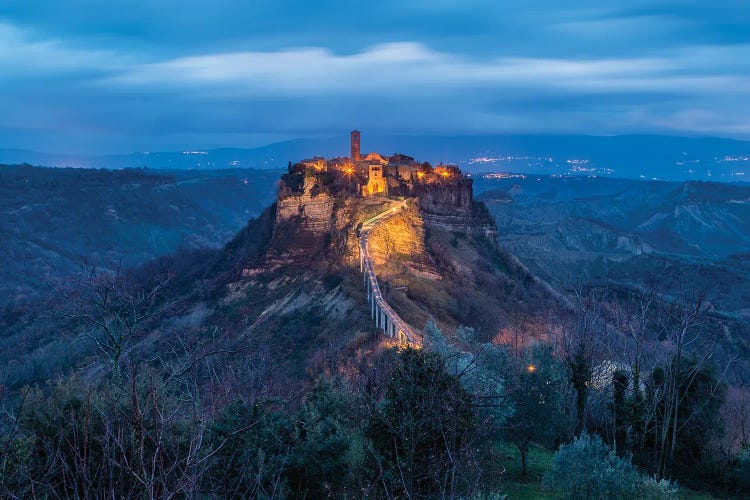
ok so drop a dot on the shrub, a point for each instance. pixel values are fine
(329, 449)
(588, 468)
(741, 471)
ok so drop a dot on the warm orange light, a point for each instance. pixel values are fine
(531, 368)
(349, 171)
(445, 174)
(420, 175)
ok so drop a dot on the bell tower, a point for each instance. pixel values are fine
(355, 145)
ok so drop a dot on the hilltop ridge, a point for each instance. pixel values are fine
(321, 201)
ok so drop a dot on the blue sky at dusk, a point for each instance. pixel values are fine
(89, 76)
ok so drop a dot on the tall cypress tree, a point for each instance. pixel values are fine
(620, 409)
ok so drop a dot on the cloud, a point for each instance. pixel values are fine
(411, 68)
(405, 65)
(22, 55)
(288, 69)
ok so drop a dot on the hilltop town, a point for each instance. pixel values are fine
(372, 174)
(320, 203)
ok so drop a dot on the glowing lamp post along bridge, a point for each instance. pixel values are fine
(382, 313)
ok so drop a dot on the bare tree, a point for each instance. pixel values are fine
(736, 414)
(109, 308)
(687, 327)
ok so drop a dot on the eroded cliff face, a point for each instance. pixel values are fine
(316, 225)
(448, 198)
(312, 206)
(400, 241)
(304, 216)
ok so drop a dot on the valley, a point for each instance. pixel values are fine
(571, 230)
(54, 220)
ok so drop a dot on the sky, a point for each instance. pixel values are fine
(87, 76)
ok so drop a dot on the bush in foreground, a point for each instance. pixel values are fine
(588, 468)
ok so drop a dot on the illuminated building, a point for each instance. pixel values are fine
(377, 174)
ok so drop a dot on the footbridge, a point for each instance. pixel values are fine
(382, 313)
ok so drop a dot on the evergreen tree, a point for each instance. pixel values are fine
(620, 409)
(422, 435)
(535, 385)
(580, 376)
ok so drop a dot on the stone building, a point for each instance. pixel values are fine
(374, 174)
(376, 182)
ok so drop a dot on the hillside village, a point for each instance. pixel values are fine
(320, 201)
(375, 174)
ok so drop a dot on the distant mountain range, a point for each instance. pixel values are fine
(632, 156)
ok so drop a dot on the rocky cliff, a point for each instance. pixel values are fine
(304, 217)
(401, 241)
(437, 258)
(446, 198)
(315, 223)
